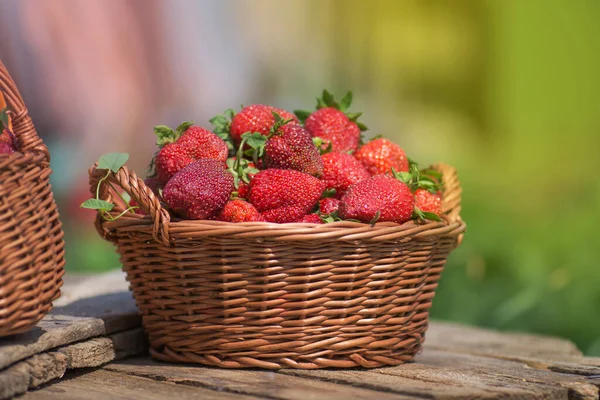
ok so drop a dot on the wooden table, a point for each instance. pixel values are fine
(92, 347)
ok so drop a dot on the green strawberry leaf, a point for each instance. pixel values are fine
(279, 122)
(112, 161)
(222, 124)
(321, 103)
(362, 126)
(251, 170)
(411, 162)
(353, 116)
(184, 127)
(302, 115)
(328, 193)
(375, 218)
(254, 139)
(97, 204)
(431, 216)
(164, 135)
(346, 101)
(432, 173)
(328, 99)
(229, 113)
(4, 117)
(327, 218)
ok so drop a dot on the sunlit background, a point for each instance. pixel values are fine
(506, 91)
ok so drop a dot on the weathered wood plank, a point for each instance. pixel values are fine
(511, 371)
(539, 352)
(263, 384)
(468, 339)
(31, 372)
(44, 367)
(108, 385)
(77, 321)
(426, 383)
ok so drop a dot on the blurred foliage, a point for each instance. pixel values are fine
(508, 92)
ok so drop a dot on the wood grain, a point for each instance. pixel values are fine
(264, 384)
(107, 385)
(44, 367)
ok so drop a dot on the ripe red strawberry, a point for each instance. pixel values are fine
(200, 190)
(340, 171)
(187, 144)
(153, 184)
(243, 190)
(170, 160)
(8, 142)
(274, 189)
(311, 219)
(332, 124)
(381, 198)
(291, 147)
(255, 118)
(329, 205)
(284, 215)
(428, 202)
(379, 156)
(6, 148)
(239, 211)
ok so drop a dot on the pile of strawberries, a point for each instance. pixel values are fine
(266, 164)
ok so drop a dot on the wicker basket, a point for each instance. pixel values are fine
(274, 296)
(31, 239)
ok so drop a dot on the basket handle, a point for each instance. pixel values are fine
(452, 191)
(22, 125)
(138, 191)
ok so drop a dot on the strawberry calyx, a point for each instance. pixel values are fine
(241, 170)
(253, 143)
(327, 100)
(428, 179)
(318, 142)
(424, 215)
(279, 122)
(166, 135)
(222, 126)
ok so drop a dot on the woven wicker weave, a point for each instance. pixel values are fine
(31, 245)
(273, 296)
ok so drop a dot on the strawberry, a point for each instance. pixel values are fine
(332, 125)
(328, 205)
(283, 215)
(428, 202)
(200, 190)
(311, 219)
(8, 141)
(182, 147)
(255, 118)
(243, 171)
(6, 148)
(291, 147)
(239, 211)
(340, 171)
(272, 190)
(153, 184)
(379, 156)
(379, 198)
(243, 190)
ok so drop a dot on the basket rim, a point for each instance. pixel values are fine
(160, 224)
(334, 231)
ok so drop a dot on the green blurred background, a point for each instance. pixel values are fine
(506, 91)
